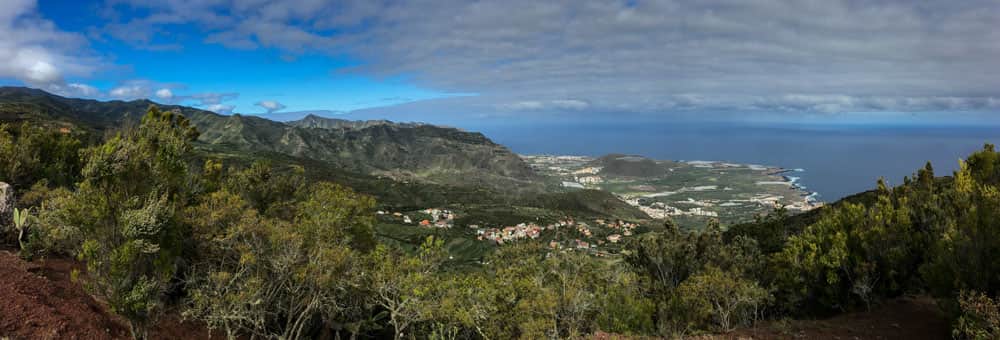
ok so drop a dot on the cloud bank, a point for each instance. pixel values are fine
(643, 56)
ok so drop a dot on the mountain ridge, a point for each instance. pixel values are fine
(403, 151)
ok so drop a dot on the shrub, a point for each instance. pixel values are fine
(980, 318)
(54, 232)
(721, 300)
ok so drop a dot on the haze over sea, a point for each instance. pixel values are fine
(838, 160)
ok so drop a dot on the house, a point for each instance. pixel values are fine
(614, 238)
(425, 223)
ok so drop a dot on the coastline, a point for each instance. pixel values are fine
(783, 176)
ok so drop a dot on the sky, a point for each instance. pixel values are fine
(451, 61)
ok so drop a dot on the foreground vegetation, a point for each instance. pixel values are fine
(253, 250)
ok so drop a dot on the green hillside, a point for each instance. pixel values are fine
(408, 152)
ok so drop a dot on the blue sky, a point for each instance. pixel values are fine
(839, 61)
(183, 64)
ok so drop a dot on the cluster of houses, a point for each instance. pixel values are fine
(439, 218)
(574, 244)
(580, 245)
(516, 232)
(773, 201)
(591, 180)
(533, 231)
(627, 228)
(662, 210)
(507, 234)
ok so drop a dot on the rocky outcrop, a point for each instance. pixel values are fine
(6, 206)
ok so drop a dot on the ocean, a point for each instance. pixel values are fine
(834, 160)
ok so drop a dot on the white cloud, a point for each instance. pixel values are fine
(270, 105)
(220, 108)
(165, 94)
(129, 92)
(212, 98)
(37, 53)
(558, 104)
(84, 90)
(641, 56)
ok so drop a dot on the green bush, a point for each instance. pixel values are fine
(126, 207)
(29, 153)
(54, 232)
(979, 319)
(719, 300)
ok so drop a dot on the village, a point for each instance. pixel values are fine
(584, 237)
(433, 218)
(690, 190)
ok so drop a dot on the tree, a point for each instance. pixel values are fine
(853, 254)
(125, 207)
(623, 309)
(31, 153)
(339, 215)
(273, 193)
(226, 284)
(405, 285)
(272, 278)
(307, 279)
(526, 308)
(722, 298)
(466, 304)
(663, 259)
(573, 278)
(964, 253)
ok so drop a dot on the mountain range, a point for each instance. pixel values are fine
(401, 151)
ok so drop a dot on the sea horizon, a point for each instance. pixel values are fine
(832, 160)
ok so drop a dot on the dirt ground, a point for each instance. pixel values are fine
(915, 318)
(38, 300)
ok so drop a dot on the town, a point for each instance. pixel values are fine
(567, 233)
(689, 190)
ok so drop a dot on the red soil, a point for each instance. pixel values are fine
(38, 300)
